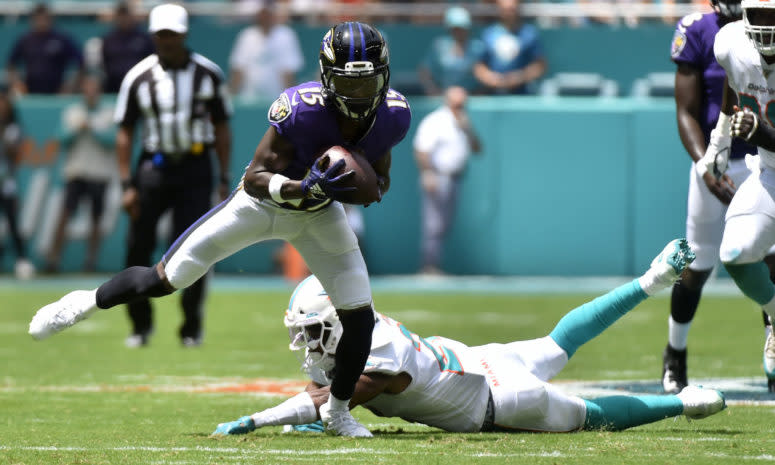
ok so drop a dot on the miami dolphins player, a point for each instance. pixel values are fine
(699, 86)
(746, 51)
(446, 384)
(286, 193)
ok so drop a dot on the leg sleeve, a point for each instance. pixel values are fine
(584, 323)
(621, 412)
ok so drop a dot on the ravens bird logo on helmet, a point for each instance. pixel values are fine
(355, 69)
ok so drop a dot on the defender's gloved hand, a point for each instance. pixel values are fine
(315, 427)
(242, 426)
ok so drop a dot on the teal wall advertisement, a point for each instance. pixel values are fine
(564, 186)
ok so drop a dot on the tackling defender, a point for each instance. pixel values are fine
(446, 384)
(285, 194)
(746, 51)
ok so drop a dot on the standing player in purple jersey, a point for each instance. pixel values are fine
(699, 84)
(285, 194)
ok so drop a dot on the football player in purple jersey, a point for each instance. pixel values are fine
(699, 84)
(286, 194)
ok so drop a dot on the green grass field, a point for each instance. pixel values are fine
(81, 397)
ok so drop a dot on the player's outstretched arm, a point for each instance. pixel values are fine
(304, 408)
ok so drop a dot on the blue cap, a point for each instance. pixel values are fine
(457, 16)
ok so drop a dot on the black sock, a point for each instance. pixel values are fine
(136, 282)
(683, 302)
(352, 351)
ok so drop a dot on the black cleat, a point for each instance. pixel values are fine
(674, 377)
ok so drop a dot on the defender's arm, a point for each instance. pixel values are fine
(304, 407)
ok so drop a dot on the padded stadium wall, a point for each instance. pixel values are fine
(565, 186)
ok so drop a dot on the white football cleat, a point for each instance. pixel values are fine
(342, 423)
(700, 402)
(768, 358)
(65, 312)
(667, 267)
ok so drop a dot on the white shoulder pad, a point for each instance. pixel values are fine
(727, 39)
(385, 356)
(383, 361)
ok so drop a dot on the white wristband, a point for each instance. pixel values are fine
(724, 124)
(275, 185)
(298, 410)
(700, 167)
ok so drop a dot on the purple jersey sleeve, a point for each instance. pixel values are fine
(688, 45)
(693, 45)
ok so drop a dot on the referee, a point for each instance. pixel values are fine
(182, 100)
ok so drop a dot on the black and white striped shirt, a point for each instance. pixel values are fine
(178, 106)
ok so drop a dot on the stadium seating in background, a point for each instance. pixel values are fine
(660, 84)
(406, 82)
(579, 85)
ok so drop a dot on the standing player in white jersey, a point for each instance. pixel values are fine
(699, 87)
(746, 51)
(444, 383)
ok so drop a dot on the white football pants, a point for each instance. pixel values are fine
(518, 378)
(749, 234)
(705, 216)
(322, 237)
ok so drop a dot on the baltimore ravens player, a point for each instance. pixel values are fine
(699, 85)
(285, 194)
(747, 52)
(444, 383)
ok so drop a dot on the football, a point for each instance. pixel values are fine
(365, 179)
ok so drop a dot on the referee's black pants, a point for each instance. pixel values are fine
(8, 204)
(186, 188)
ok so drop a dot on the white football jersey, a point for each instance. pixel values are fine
(448, 388)
(749, 76)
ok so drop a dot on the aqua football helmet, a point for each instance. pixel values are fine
(313, 325)
(354, 69)
(759, 23)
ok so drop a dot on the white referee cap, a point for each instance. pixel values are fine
(169, 17)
